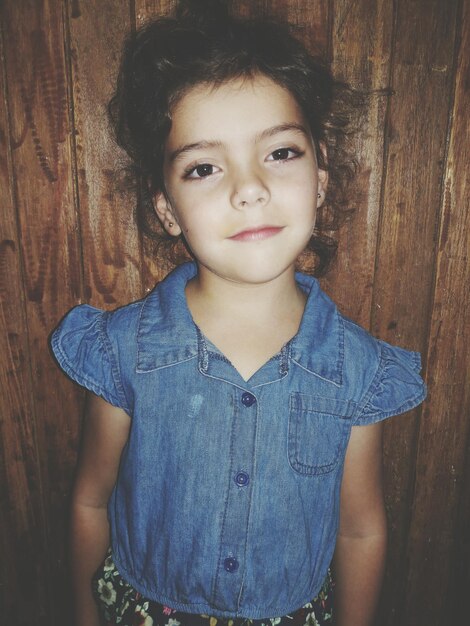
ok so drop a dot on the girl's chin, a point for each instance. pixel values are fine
(249, 273)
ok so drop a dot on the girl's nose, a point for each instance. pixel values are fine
(249, 190)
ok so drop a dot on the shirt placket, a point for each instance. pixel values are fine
(236, 516)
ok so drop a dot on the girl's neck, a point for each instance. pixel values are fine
(210, 296)
(249, 324)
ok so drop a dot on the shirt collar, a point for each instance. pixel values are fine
(318, 347)
(167, 334)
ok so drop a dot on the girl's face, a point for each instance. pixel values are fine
(241, 179)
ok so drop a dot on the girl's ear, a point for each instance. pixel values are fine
(322, 185)
(322, 177)
(165, 214)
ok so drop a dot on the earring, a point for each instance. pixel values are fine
(170, 224)
(319, 195)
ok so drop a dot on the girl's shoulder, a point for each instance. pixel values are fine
(86, 320)
(373, 378)
(89, 323)
(121, 338)
(388, 375)
(359, 341)
(88, 344)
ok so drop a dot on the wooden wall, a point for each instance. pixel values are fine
(66, 237)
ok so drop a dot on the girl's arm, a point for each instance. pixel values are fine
(105, 433)
(361, 545)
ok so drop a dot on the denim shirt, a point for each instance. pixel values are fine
(227, 497)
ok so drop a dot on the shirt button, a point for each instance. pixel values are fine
(248, 399)
(231, 564)
(242, 479)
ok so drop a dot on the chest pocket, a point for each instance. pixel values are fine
(318, 433)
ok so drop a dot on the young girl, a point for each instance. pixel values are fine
(233, 436)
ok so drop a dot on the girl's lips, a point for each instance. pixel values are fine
(257, 234)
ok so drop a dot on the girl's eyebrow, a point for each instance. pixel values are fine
(268, 132)
(198, 145)
(282, 128)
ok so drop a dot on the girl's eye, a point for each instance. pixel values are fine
(200, 171)
(284, 154)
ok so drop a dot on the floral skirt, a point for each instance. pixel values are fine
(120, 605)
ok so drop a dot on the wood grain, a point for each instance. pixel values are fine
(361, 44)
(22, 517)
(42, 186)
(445, 426)
(111, 252)
(416, 141)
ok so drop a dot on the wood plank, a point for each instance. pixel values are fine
(111, 245)
(416, 141)
(41, 157)
(440, 522)
(361, 46)
(298, 12)
(421, 79)
(22, 524)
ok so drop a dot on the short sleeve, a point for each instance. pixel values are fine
(397, 386)
(83, 350)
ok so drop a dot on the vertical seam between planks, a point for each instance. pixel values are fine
(73, 141)
(73, 168)
(385, 153)
(132, 16)
(72, 172)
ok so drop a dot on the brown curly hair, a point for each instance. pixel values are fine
(168, 56)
